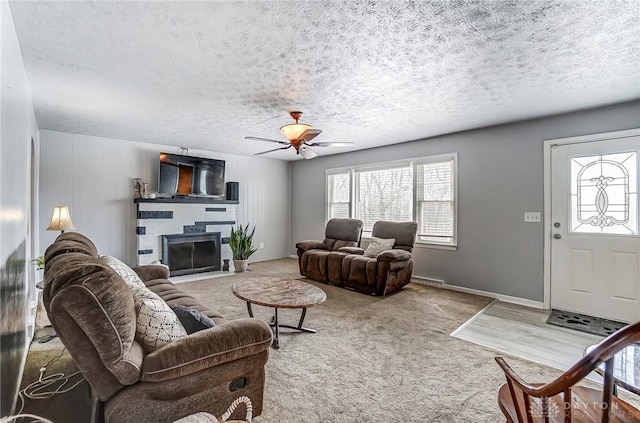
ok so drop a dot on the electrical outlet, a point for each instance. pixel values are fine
(262, 245)
(531, 217)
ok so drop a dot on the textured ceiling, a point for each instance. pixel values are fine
(206, 74)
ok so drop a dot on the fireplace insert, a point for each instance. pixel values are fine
(191, 253)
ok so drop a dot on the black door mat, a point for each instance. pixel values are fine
(584, 323)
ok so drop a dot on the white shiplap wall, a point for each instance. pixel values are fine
(94, 176)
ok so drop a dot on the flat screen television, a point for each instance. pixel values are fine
(189, 175)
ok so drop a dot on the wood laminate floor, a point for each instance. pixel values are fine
(523, 332)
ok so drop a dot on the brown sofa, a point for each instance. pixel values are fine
(313, 256)
(338, 260)
(384, 274)
(92, 310)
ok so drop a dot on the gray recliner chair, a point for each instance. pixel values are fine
(313, 255)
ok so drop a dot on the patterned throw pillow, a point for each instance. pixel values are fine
(125, 272)
(378, 245)
(156, 324)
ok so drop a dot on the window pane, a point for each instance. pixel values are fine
(384, 194)
(604, 194)
(436, 219)
(435, 181)
(339, 210)
(339, 195)
(436, 210)
(339, 188)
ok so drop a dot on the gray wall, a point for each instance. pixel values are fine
(94, 176)
(500, 173)
(18, 127)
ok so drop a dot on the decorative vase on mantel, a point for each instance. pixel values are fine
(240, 265)
(137, 188)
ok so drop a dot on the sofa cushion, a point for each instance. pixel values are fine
(192, 319)
(156, 324)
(348, 230)
(403, 232)
(378, 245)
(125, 272)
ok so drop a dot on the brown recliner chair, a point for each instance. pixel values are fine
(92, 310)
(313, 255)
(384, 274)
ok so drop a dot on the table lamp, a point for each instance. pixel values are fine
(61, 219)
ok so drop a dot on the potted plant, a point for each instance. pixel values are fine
(38, 262)
(241, 243)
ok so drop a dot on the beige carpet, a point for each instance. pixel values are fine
(372, 360)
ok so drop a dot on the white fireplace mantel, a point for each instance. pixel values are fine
(169, 216)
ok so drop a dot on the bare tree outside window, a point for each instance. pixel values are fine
(385, 194)
(339, 195)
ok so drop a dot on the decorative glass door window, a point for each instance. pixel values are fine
(604, 194)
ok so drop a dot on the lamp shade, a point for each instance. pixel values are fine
(293, 131)
(61, 219)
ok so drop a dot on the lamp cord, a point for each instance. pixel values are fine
(37, 419)
(38, 390)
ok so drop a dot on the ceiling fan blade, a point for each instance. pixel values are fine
(330, 144)
(271, 151)
(309, 134)
(307, 153)
(267, 139)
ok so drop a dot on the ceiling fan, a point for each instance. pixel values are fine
(299, 136)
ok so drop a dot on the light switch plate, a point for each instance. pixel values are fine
(531, 217)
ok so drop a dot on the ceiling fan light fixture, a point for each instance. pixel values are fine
(299, 136)
(293, 131)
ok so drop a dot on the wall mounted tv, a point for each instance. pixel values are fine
(188, 175)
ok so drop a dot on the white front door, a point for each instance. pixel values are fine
(595, 247)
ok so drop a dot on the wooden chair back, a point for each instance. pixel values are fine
(562, 401)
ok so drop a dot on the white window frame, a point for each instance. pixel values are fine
(438, 159)
(413, 163)
(328, 190)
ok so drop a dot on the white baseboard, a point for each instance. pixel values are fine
(293, 256)
(506, 298)
(199, 276)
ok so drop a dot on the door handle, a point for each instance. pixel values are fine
(557, 236)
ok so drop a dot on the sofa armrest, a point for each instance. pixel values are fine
(151, 271)
(207, 348)
(352, 250)
(311, 245)
(394, 255)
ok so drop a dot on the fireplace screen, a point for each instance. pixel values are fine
(191, 253)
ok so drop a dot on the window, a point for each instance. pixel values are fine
(435, 211)
(339, 195)
(383, 194)
(423, 190)
(604, 194)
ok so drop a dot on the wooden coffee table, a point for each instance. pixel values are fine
(280, 293)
